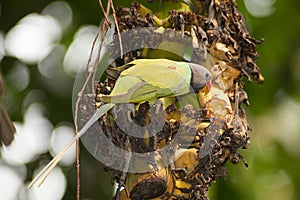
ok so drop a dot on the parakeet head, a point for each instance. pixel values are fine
(201, 77)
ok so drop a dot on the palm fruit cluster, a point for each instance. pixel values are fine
(210, 134)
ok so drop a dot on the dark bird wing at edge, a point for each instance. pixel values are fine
(7, 129)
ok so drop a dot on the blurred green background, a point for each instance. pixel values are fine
(43, 44)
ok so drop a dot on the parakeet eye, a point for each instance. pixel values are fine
(207, 76)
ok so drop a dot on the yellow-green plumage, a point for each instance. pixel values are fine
(150, 79)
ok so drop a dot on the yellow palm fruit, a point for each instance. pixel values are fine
(186, 159)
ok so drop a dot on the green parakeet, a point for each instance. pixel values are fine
(143, 80)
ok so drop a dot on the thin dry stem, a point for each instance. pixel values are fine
(118, 29)
(103, 31)
(90, 73)
(80, 93)
(77, 170)
(105, 13)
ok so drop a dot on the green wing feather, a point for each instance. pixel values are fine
(160, 72)
(150, 79)
(130, 89)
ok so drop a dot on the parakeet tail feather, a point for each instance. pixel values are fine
(50, 166)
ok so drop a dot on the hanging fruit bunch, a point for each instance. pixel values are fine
(208, 132)
(169, 106)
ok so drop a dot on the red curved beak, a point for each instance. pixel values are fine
(208, 85)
